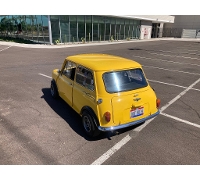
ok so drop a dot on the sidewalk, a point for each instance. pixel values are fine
(92, 43)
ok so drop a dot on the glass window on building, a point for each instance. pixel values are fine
(24, 27)
(14, 23)
(45, 29)
(29, 27)
(19, 25)
(107, 28)
(55, 28)
(73, 29)
(127, 28)
(121, 34)
(40, 29)
(81, 28)
(65, 28)
(88, 21)
(95, 28)
(113, 29)
(8, 22)
(34, 28)
(101, 28)
(136, 29)
(118, 29)
(131, 29)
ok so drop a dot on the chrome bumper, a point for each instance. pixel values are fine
(113, 128)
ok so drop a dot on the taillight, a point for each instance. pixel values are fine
(157, 103)
(107, 116)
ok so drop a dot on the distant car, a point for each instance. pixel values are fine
(108, 92)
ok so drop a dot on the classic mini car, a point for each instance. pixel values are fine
(108, 92)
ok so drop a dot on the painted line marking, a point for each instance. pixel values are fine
(192, 50)
(167, 61)
(195, 89)
(127, 138)
(166, 83)
(179, 95)
(111, 151)
(44, 75)
(180, 52)
(186, 57)
(181, 120)
(5, 48)
(171, 70)
(148, 80)
(172, 84)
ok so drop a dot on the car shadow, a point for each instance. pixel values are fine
(73, 119)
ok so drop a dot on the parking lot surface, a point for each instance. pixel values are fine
(37, 129)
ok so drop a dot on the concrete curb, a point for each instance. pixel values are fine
(92, 43)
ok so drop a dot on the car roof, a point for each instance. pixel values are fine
(103, 62)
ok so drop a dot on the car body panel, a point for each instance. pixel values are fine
(126, 107)
(65, 87)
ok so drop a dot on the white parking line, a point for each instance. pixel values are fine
(172, 84)
(167, 61)
(180, 52)
(148, 80)
(195, 89)
(186, 57)
(192, 50)
(179, 96)
(167, 83)
(171, 70)
(111, 151)
(181, 120)
(127, 138)
(5, 48)
(44, 75)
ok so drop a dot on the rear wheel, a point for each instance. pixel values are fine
(54, 90)
(89, 125)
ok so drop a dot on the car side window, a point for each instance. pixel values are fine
(69, 70)
(85, 77)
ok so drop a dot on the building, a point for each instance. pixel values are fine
(49, 29)
(184, 26)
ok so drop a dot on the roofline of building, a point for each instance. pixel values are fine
(153, 18)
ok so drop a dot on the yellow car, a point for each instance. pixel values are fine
(108, 92)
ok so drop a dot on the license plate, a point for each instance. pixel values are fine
(137, 112)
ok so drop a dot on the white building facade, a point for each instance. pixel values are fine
(51, 29)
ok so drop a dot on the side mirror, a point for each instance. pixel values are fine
(59, 71)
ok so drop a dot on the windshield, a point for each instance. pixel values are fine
(125, 80)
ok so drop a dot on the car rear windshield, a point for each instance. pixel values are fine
(126, 80)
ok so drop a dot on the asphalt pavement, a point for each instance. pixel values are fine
(36, 129)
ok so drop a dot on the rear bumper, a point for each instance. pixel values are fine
(113, 128)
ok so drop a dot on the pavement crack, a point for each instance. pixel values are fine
(191, 108)
(39, 113)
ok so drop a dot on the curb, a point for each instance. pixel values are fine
(93, 43)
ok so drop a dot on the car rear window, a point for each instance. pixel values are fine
(126, 80)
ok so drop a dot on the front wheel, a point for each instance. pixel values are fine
(54, 90)
(89, 125)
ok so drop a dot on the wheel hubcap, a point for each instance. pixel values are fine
(87, 124)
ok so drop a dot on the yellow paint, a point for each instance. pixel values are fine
(118, 104)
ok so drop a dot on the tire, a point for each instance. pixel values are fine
(54, 90)
(89, 125)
